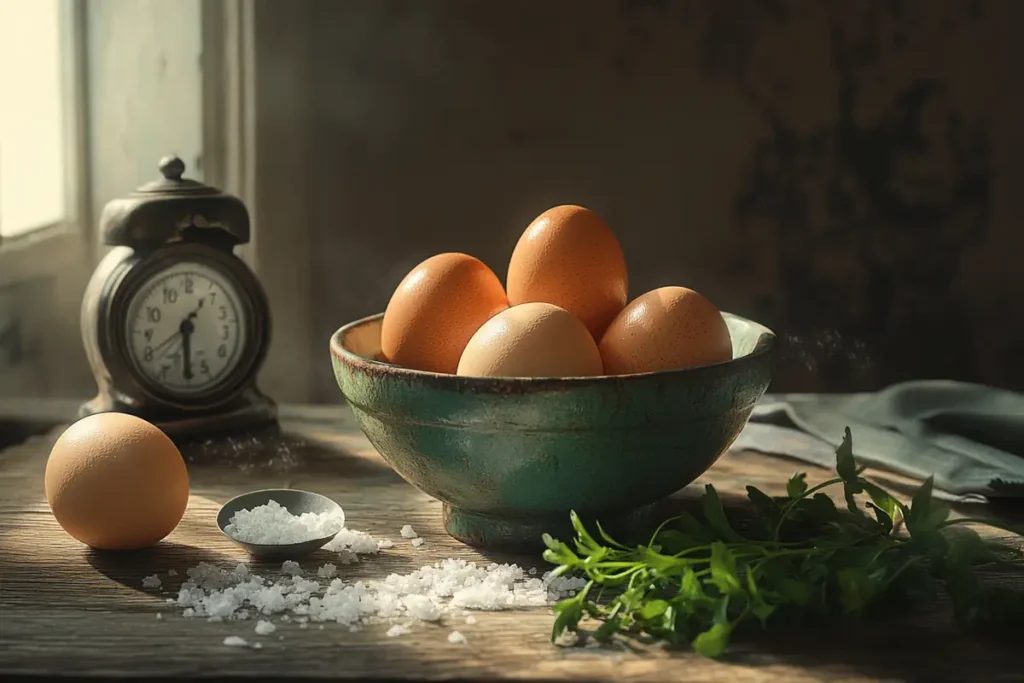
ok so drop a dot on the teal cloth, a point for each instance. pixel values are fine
(968, 436)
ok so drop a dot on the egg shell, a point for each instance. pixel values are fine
(532, 340)
(436, 309)
(569, 257)
(116, 482)
(665, 329)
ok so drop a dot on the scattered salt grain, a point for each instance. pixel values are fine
(327, 571)
(235, 641)
(385, 543)
(257, 646)
(417, 542)
(398, 630)
(321, 627)
(408, 532)
(303, 625)
(273, 524)
(470, 620)
(159, 616)
(264, 628)
(533, 571)
(291, 567)
(172, 572)
(152, 581)
(456, 638)
(431, 593)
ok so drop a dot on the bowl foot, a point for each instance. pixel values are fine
(523, 534)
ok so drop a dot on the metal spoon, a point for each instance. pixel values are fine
(296, 502)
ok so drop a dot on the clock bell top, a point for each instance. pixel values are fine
(163, 210)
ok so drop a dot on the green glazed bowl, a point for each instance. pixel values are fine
(510, 457)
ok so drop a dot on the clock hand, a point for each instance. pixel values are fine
(187, 328)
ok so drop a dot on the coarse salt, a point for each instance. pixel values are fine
(273, 524)
(257, 646)
(172, 572)
(235, 641)
(398, 630)
(408, 532)
(152, 581)
(159, 616)
(456, 638)
(264, 628)
(327, 571)
(470, 620)
(291, 567)
(417, 542)
(428, 594)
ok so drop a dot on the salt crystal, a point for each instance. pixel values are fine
(321, 627)
(431, 593)
(264, 628)
(235, 641)
(417, 542)
(456, 638)
(172, 572)
(327, 571)
(273, 524)
(533, 571)
(398, 630)
(303, 625)
(159, 616)
(290, 567)
(408, 532)
(385, 543)
(152, 581)
(257, 646)
(470, 620)
(357, 542)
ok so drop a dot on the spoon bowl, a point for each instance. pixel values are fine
(297, 503)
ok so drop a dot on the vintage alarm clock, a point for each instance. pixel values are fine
(176, 325)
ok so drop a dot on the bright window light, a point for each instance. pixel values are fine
(32, 147)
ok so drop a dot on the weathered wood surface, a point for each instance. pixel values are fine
(65, 610)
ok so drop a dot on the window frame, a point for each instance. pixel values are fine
(51, 248)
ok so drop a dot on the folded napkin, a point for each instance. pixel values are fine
(968, 436)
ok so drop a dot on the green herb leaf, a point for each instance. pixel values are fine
(723, 569)
(715, 514)
(797, 485)
(714, 641)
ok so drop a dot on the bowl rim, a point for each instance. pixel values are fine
(764, 347)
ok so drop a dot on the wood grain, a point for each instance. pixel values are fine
(65, 610)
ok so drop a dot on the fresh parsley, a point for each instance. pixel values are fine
(698, 580)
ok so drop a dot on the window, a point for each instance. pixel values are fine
(32, 117)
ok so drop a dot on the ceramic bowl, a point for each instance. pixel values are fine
(510, 457)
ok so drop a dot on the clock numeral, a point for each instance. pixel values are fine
(170, 295)
(147, 354)
(188, 284)
(225, 331)
(148, 334)
(222, 351)
(223, 315)
(204, 367)
(153, 314)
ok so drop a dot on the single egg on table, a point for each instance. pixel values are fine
(436, 309)
(116, 482)
(569, 257)
(531, 340)
(669, 328)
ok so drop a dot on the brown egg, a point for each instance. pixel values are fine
(569, 257)
(532, 340)
(665, 329)
(116, 482)
(436, 309)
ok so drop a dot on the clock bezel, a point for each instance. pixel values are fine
(256, 330)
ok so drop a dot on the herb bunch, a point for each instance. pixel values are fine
(698, 580)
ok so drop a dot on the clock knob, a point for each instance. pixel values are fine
(172, 168)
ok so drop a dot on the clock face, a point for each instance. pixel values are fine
(187, 328)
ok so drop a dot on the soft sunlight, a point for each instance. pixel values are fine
(31, 119)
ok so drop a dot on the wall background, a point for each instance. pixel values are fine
(848, 173)
(843, 172)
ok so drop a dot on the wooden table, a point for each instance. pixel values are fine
(65, 610)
